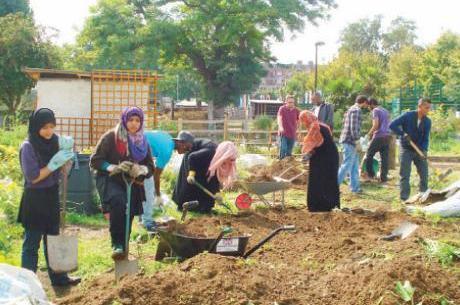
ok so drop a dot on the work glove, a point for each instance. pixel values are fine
(123, 167)
(59, 159)
(158, 201)
(306, 157)
(191, 177)
(66, 143)
(138, 170)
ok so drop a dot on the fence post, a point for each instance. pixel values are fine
(225, 127)
(180, 124)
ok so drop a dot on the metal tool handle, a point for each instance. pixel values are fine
(129, 183)
(65, 183)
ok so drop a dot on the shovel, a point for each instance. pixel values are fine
(126, 266)
(402, 231)
(208, 192)
(63, 249)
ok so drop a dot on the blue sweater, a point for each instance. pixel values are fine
(407, 123)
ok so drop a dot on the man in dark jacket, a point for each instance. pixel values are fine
(198, 154)
(413, 126)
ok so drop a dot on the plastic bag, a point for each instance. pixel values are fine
(250, 160)
(175, 162)
(446, 208)
(20, 286)
(364, 143)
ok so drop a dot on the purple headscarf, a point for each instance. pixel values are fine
(137, 143)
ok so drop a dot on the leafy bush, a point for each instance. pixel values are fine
(444, 124)
(168, 125)
(168, 180)
(264, 122)
(9, 163)
(13, 137)
(10, 194)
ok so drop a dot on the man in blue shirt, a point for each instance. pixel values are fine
(415, 126)
(162, 147)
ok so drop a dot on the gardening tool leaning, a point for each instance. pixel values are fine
(126, 266)
(63, 248)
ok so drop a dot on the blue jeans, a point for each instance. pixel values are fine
(406, 158)
(286, 146)
(29, 255)
(148, 204)
(350, 165)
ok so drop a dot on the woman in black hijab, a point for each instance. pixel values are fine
(40, 158)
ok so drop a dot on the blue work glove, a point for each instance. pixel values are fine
(66, 143)
(59, 159)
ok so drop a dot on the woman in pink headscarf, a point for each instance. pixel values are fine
(320, 150)
(223, 164)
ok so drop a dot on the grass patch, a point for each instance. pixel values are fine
(444, 253)
(97, 220)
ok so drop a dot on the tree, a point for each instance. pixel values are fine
(350, 74)
(404, 67)
(439, 59)
(297, 86)
(368, 35)
(401, 33)
(227, 41)
(15, 6)
(113, 38)
(22, 44)
(365, 35)
(180, 81)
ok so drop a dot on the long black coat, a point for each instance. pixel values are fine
(197, 159)
(323, 188)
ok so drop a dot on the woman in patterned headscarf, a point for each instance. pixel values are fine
(122, 151)
(320, 150)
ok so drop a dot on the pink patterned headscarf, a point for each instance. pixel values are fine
(223, 164)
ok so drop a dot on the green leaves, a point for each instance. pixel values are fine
(22, 44)
(405, 291)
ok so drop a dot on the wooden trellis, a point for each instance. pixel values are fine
(113, 90)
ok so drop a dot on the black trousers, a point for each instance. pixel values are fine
(382, 146)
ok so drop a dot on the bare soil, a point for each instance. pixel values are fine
(331, 258)
(287, 168)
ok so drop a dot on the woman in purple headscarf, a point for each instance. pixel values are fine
(122, 151)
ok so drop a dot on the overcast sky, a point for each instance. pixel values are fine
(431, 17)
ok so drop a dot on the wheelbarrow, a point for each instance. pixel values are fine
(183, 247)
(244, 201)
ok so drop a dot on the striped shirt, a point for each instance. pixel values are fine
(351, 125)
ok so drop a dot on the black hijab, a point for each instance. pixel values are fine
(45, 149)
